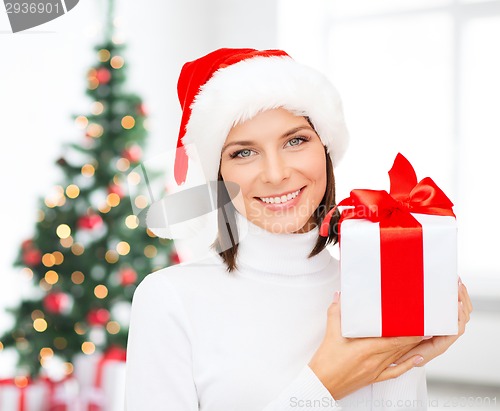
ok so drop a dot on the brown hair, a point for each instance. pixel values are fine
(226, 243)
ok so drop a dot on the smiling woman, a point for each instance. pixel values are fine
(244, 329)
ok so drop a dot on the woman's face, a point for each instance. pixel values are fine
(279, 163)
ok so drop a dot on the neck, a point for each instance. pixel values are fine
(279, 256)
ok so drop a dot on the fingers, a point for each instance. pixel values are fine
(334, 308)
(398, 344)
(463, 318)
(333, 328)
(396, 370)
(464, 311)
(463, 296)
(461, 321)
(464, 307)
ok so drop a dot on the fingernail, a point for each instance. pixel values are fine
(418, 360)
(427, 337)
(336, 297)
(459, 280)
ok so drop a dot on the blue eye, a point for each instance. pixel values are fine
(246, 153)
(296, 141)
(237, 153)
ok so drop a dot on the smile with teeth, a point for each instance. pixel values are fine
(280, 200)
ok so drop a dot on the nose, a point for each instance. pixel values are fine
(275, 169)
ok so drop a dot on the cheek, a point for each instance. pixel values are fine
(233, 174)
(314, 166)
(238, 176)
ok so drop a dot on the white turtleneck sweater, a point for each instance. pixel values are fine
(204, 339)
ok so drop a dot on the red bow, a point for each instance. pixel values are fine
(406, 196)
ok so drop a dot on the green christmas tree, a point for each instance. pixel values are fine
(89, 251)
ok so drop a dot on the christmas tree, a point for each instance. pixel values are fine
(89, 251)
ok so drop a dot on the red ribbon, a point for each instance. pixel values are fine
(401, 242)
(52, 385)
(114, 353)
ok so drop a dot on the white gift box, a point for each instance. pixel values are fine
(35, 397)
(114, 386)
(66, 392)
(110, 395)
(361, 278)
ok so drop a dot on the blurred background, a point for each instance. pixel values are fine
(420, 77)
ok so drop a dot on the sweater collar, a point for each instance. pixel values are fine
(281, 255)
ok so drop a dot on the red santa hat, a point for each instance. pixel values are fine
(230, 86)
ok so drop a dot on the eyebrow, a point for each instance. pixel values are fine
(249, 142)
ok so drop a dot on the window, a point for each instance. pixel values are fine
(420, 77)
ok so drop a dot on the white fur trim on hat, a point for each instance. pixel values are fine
(238, 92)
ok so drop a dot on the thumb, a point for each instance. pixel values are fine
(335, 305)
(333, 317)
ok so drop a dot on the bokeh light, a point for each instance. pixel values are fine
(77, 277)
(80, 328)
(123, 248)
(97, 108)
(81, 122)
(72, 191)
(117, 62)
(63, 231)
(66, 242)
(113, 327)
(58, 257)
(40, 325)
(150, 251)
(132, 222)
(111, 256)
(51, 277)
(88, 347)
(103, 55)
(113, 199)
(95, 130)
(101, 291)
(128, 122)
(48, 260)
(77, 249)
(88, 170)
(134, 178)
(123, 164)
(141, 201)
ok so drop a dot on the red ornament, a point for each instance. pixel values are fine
(133, 153)
(32, 257)
(26, 244)
(115, 189)
(98, 316)
(89, 222)
(58, 303)
(103, 75)
(174, 258)
(141, 109)
(127, 276)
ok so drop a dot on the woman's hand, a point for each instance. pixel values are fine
(345, 365)
(435, 346)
